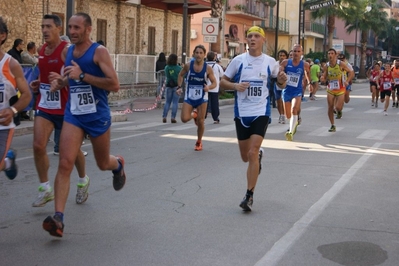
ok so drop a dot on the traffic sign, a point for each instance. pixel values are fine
(210, 26)
(318, 4)
(210, 38)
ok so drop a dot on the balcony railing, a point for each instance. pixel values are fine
(251, 8)
(315, 27)
(283, 24)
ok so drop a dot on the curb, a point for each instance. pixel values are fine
(28, 129)
(221, 103)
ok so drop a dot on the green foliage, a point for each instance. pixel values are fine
(225, 95)
(314, 55)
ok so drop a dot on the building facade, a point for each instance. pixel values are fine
(143, 27)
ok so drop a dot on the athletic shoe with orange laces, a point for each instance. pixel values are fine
(198, 146)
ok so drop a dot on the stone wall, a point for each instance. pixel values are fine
(127, 31)
(127, 23)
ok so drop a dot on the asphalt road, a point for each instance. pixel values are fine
(323, 199)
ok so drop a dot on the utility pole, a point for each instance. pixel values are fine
(277, 28)
(184, 41)
(69, 14)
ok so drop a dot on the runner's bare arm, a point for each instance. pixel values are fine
(180, 78)
(7, 114)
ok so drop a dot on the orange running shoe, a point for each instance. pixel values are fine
(194, 113)
(198, 146)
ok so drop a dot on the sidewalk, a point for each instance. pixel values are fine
(118, 111)
(26, 126)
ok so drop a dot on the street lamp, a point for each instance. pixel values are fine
(368, 9)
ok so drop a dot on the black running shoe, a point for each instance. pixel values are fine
(260, 159)
(339, 115)
(54, 226)
(119, 177)
(246, 203)
(11, 172)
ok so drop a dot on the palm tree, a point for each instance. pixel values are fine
(364, 20)
(332, 12)
(390, 33)
(216, 12)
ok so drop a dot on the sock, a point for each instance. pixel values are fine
(82, 180)
(7, 162)
(45, 185)
(310, 95)
(61, 215)
(118, 169)
(293, 122)
(250, 193)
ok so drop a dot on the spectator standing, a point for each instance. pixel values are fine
(213, 94)
(28, 56)
(314, 79)
(172, 71)
(17, 49)
(159, 69)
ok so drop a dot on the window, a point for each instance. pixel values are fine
(102, 30)
(63, 26)
(175, 36)
(151, 40)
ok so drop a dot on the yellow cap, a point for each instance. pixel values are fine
(256, 29)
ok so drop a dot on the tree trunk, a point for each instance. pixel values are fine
(216, 12)
(331, 27)
(390, 44)
(363, 41)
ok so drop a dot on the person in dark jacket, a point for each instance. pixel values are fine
(16, 50)
(159, 69)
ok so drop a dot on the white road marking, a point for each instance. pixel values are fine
(374, 134)
(282, 246)
(323, 132)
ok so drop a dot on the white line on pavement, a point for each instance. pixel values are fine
(281, 247)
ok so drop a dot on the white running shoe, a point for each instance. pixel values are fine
(83, 192)
(43, 197)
